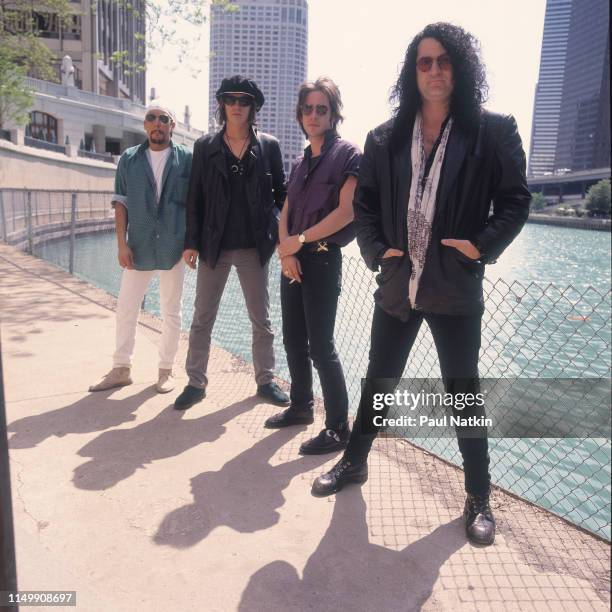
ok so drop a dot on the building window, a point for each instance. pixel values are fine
(47, 25)
(42, 127)
(72, 29)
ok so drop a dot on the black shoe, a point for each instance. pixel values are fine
(291, 416)
(328, 441)
(274, 394)
(342, 473)
(479, 521)
(189, 396)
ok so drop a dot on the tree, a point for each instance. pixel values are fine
(15, 98)
(19, 30)
(538, 201)
(598, 199)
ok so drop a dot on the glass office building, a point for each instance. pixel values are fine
(571, 119)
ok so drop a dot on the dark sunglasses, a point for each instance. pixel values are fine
(231, 100)
(425, 63)
(152, 117)
(320, 109)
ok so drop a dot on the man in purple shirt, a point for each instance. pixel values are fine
(315, 222)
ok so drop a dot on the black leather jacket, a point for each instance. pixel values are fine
(483, 167)
(208, 197)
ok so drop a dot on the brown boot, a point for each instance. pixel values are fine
(117, 377)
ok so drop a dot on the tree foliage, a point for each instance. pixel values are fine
(15, 98)
(598, 199)
(538, 201)
(172, 25)
(19, 29)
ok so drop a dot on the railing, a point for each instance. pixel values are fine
(129, 107)
(43, 144)
(105, 157)
(5, 134)
(29, 217)
(541, 332)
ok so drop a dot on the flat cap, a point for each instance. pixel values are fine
(240, 84)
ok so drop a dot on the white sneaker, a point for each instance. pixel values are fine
(117, 377)
(165, 381)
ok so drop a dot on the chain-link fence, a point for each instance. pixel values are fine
(545, 332)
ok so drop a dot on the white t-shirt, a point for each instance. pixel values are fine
(157, 161)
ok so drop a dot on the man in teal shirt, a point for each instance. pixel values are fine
(149, 201)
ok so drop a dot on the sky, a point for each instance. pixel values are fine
(360, 44)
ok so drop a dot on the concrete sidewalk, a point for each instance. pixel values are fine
(139, 507)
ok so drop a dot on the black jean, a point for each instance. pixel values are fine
(309, 316)
(457, 340)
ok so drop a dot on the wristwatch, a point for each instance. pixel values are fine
(302, 237)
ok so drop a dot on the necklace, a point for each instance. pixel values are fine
(237, 167)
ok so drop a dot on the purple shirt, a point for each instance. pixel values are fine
(314, 186)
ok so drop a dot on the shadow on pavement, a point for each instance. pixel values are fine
(347, 572)
(94, 412)
(117, 454)
(244, 494)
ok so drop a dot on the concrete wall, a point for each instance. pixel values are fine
(27, 167)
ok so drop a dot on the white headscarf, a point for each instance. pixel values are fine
(159, 105)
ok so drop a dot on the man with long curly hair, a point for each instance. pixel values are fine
(422, 202)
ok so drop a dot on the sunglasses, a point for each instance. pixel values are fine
(320, 109)
(152, 117)
(425, 63)
(231, 100)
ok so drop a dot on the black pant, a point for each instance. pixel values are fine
(309, 315)
(457, 340)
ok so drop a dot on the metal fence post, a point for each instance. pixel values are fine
(3, 217)
(30, 249)
(73, 211)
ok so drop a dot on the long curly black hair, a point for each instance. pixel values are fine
(470, 82)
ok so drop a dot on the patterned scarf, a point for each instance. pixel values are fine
(422, 203)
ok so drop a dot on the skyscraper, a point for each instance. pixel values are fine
(584, 122)
(571, 119)
(547, 106)
(267, 41)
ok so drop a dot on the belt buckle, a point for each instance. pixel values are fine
(322, 246)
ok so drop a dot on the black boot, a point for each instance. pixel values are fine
(479, 521)
(291, 416)
(342, 473)
(328, 441)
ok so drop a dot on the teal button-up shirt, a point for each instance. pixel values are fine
(156, 231)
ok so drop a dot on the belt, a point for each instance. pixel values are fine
(321, 246)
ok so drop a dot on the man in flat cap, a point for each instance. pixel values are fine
(236, 192)
(150, 192)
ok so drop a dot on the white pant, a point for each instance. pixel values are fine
(134, 285)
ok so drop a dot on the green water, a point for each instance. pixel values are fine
(548, 315)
